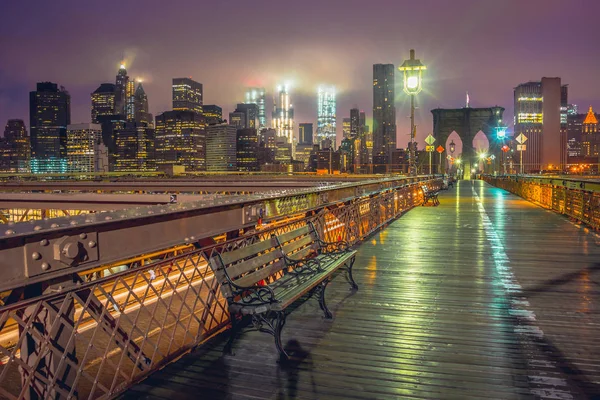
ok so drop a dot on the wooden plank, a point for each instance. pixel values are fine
(248, 251)
(297, 244)
(286, 237)
(251, 264)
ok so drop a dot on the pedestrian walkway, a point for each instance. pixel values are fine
(483, 297)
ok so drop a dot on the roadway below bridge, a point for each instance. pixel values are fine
(486, 296)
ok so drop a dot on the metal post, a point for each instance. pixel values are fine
(430, 162)
(521, 163)
(330, 172)
(411, 161)
(440, 165)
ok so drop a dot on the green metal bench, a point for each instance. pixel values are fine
(263, 279)
(430, 194)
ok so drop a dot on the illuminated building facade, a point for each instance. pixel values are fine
(187, 95)
(590, 132)
(212, 113)
(130, 102)
(384, 114)
(247, 150)
(326, 116)
(181, 140)
(121, 91)
(538, 117)
(305, 136)
(49, 115)
(345, 128)
(15, 147)
(283, 115)
(83, 141)
(237, 119)
(134, 148)
(103, 101)
(257, 96)
(221, 148)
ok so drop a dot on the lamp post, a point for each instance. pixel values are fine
(412, 71)
(452, 147)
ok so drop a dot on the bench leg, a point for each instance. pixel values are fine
(322, 303)
(279, 323)
(350, 277)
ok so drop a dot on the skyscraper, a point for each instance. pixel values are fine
(134, 147)
(345, 128)
(121, 91)
(590, 130)
(257, 96)
(538, 117)
(103, 101)
(326, 115)
(250, 111)
(140, 107)
(384, 114)
(247, 150)
(16, 147)
(221, 147)
(212, 113)
(181, 140)
(187, 95)
(130, 102)
(283, 116)
(306, 134)
(49, 115)
(237, 119)
(83, 141)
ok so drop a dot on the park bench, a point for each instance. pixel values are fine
(430, 194)
(260, 281)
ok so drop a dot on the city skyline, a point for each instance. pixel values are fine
(453, 67)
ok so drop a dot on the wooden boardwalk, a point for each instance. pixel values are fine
(484, 297)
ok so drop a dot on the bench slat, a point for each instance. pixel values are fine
(263, 273)
(297, 244)
(286, 237)
(247, 251)
(251, 264)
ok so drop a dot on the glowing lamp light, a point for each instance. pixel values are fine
(501, 132)
(122, 66)
(412, 82)
(412, 70)
(452, 146)
(482, 156)
(458, 161)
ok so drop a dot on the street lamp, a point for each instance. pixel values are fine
(412, 70)
(452, 147)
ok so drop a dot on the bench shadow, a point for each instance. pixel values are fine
(290, 369)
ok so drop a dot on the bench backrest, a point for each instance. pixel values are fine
(251, 264)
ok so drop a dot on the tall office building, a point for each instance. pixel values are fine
(590, 132)
(326, 116)
(16, 147)
(49, 115)
(83, 142)
(250, 111)
(212, 113)
(384, 114)
(181, 140)
(283, 116)
(110, 124)
(121, 91)
(134, 148)
(538, 117)
(140, 107)
(345, 128)
(237, 119)
(305, 134)
(103, 101)
(187, 95)
(357, 133)
(257, 96)
(247, 150)
(221, 147)
(130, 102)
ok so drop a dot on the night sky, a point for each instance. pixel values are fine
(484, 47)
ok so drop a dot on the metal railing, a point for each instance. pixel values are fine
(83, 325)
(578, 198)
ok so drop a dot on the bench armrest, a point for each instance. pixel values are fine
(264, 294)
(334, 247)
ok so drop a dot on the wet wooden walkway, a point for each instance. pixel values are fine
(484, 297)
